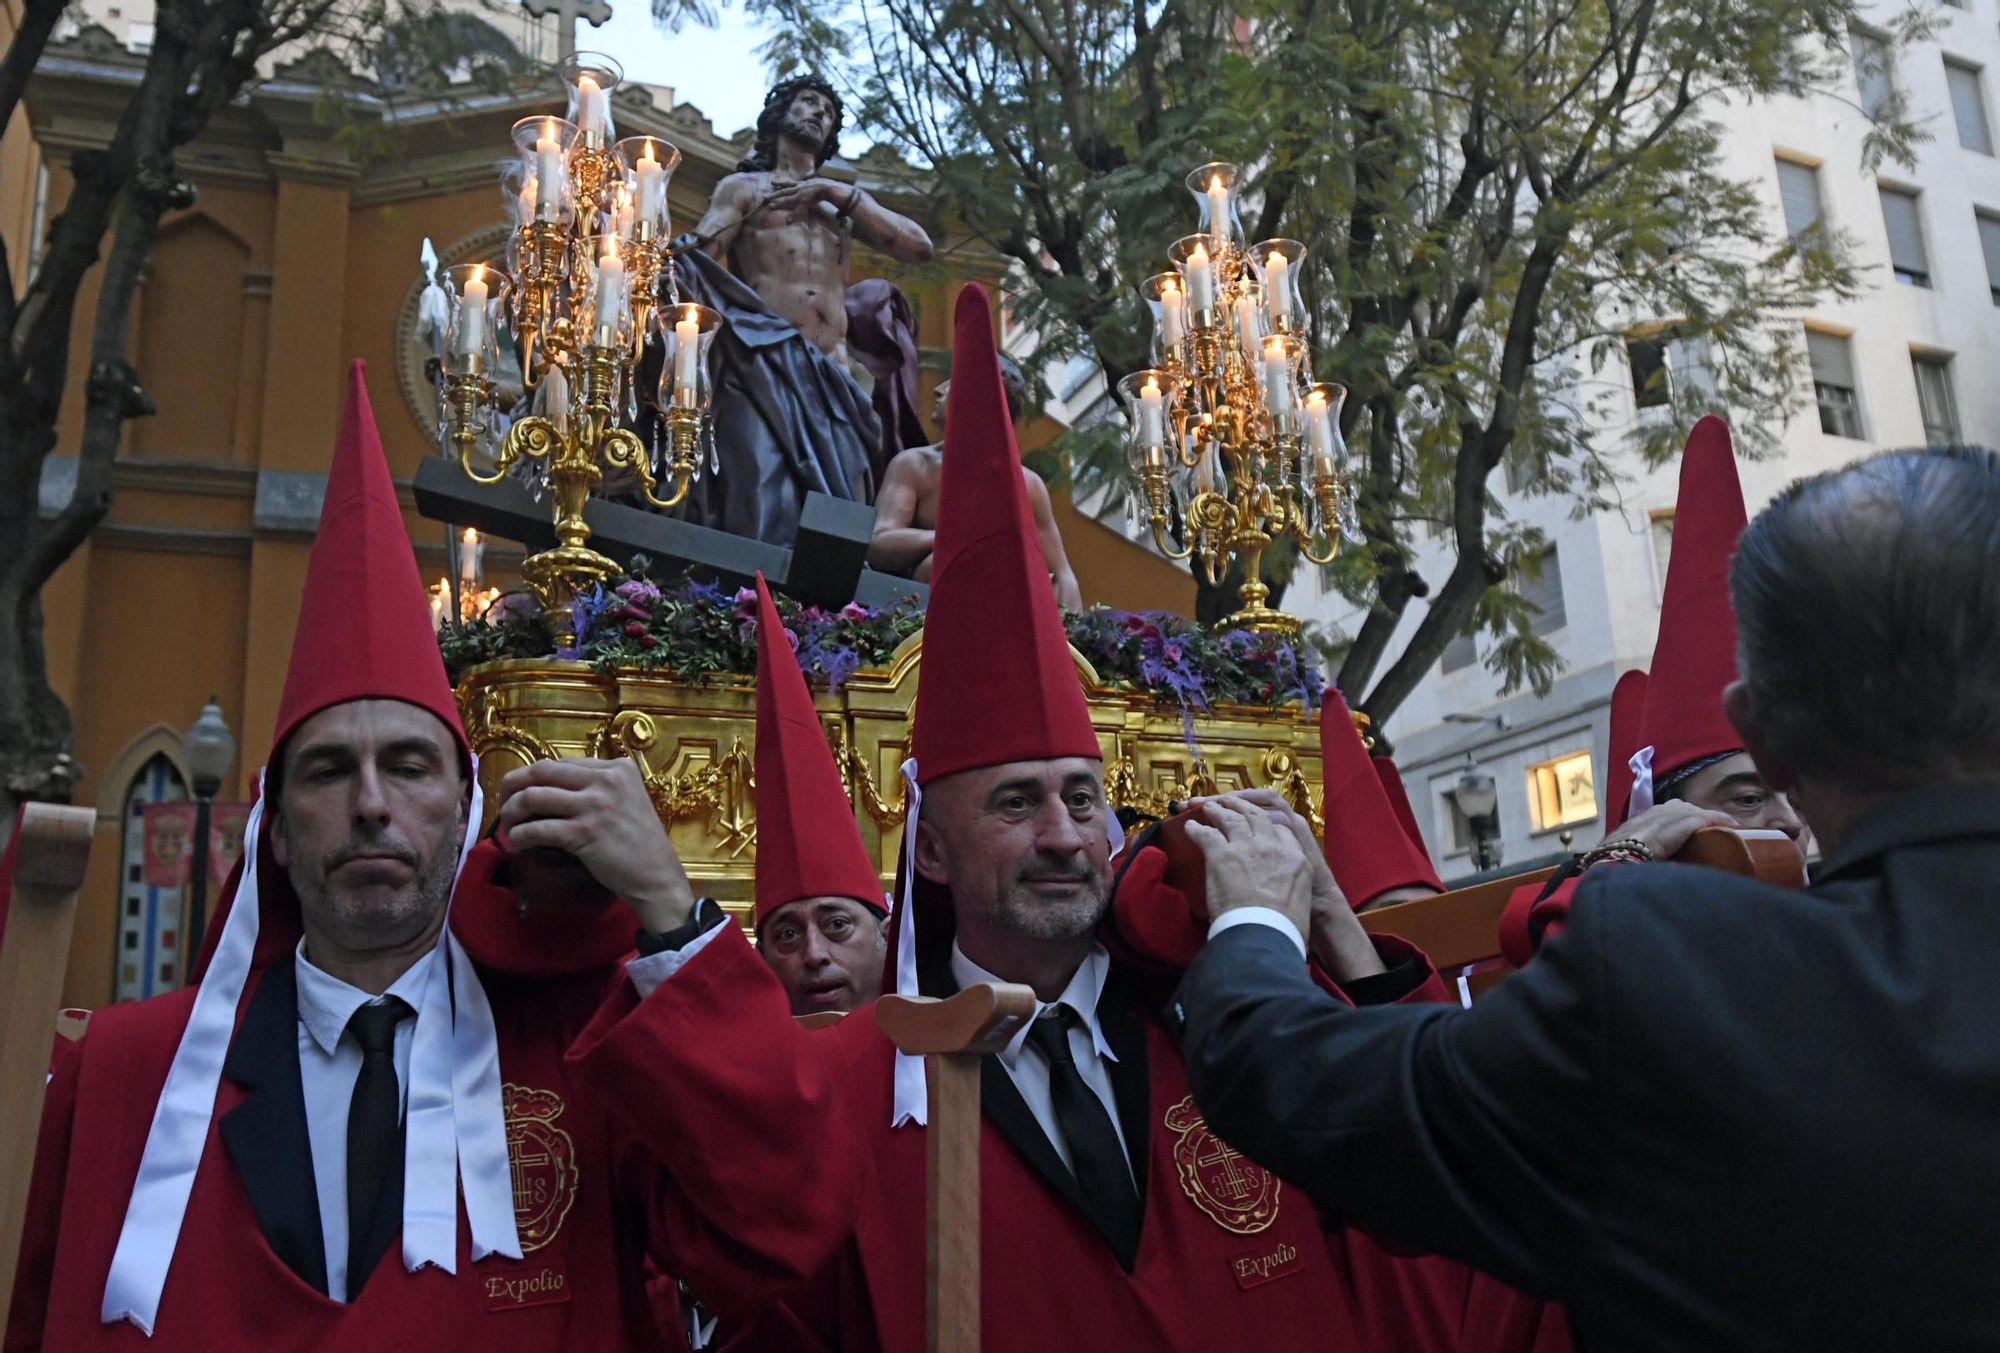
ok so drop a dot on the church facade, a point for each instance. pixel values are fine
(299, 254)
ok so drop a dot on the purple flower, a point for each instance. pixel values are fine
(1172, 651)
(639, 590)
(746, 603)
(792, 638)
(854, 610)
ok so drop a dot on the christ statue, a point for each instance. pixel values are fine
(789, 414)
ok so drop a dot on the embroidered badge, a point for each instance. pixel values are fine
(542, 1160)
(1237, 1194)
(1254, 1268)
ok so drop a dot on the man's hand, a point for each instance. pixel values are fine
(1251, 861)
(805, 192)
(1335, 936)
(1665, 827)
(599, 811)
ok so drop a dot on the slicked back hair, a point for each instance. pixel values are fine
(1868, 619)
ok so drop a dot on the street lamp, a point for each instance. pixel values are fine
(208, 748)
(1479, 800)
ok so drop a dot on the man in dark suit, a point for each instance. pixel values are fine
(1713, 1114)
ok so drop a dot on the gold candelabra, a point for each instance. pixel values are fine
(581, 295)
(1232, 444)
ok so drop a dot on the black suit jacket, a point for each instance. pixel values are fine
(1711, 1115)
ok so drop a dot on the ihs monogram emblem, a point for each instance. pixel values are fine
(1237, 1194)
(542, 1160)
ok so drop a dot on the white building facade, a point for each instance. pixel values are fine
(1914, 359)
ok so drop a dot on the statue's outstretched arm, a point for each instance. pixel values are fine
(892, 232)
(715, 233)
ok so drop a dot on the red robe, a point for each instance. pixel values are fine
(1229, 1257)
(592, 1203)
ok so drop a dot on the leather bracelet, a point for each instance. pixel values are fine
(1626, 849)
(853, 201)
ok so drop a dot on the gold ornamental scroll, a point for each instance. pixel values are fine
(696, 746)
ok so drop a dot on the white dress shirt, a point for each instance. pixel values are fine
(1267, 916)
(1029, 1070)
(329, 1063)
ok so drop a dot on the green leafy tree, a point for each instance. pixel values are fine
(205, 54)
(1496, 193)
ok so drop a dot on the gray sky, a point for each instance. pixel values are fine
(716, 69)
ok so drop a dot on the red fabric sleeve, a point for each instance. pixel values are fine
(1531, 919)
(546, 938)
(713, 1050)
(36, 1270)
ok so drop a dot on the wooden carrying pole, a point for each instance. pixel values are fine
(951, 1036)
(48, 869)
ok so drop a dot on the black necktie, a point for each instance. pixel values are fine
(1095, 1156)
(374, 1117)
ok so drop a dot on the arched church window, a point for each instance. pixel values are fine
(148, 960)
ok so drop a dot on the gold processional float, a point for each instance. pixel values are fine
(1231, 444)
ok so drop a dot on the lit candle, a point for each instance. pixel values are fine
(525, 206)
(621, 213)
(1152, 422)
(652, 187)
(472, 316)
(1247, 327)
(1277, 296)
(1204, 472)
(469, 549)
(548, 174)
(1277, 378)
(1173, 314)
(1200, 280)
(589, 107)
(687, 352)
(1319, 428)
(610, 295)
(440, 598)
(1218, 212)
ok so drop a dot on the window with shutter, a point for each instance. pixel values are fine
(1833, 384)
(1648, 360)
(1907, 258)
(1798, 190)
(1968, 107)
(1544, 592)
(1989, 244)
(1871, 72)
(1934, 397)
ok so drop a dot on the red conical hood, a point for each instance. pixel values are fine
(1367, 847)
(364, 633)
(1399, 800)
(997, 682)
(1628, 705)
(1695, 656)
(808, 844)
(364, 630)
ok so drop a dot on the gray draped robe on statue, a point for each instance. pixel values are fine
(788, 418)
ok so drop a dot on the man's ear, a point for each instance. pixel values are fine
(930, 855)
(1742, 712)
(281, 850)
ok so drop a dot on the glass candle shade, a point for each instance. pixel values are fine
(1166, 296)
(1247, 313)
(590, 77)
(689, 332)
(1148, 396)
(472, 337)
(1202, 279)
(649, 162)
(1277, 264)
(545, 144)
(1320, 412)
(1214, 187)
(1278, 361)
(608, 305)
